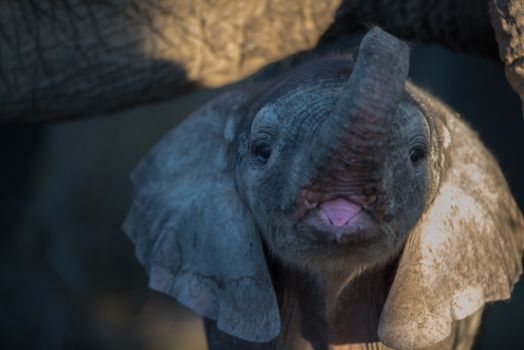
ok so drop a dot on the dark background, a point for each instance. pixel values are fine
(68, 277)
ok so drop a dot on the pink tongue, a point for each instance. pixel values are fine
(339, 211)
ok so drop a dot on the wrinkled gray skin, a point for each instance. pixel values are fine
(226, 212)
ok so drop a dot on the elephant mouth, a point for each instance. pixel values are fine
(339, 211)
(338, 217)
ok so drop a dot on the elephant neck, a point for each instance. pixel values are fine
(332, 312)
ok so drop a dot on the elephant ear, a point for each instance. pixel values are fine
(192, 232)
(465, 251)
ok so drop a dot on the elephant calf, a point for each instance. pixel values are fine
(337, 206)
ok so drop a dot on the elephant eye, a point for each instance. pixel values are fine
(262, 150)
(417, 154)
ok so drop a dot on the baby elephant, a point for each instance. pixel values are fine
(335, 207)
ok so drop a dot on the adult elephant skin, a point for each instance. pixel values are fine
(78, 58)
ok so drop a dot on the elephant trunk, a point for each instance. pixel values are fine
(348, 149)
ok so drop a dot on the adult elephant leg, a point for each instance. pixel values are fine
(462, 25)
(507, 17)
(73, 58)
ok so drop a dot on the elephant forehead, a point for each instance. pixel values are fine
(296, 104)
